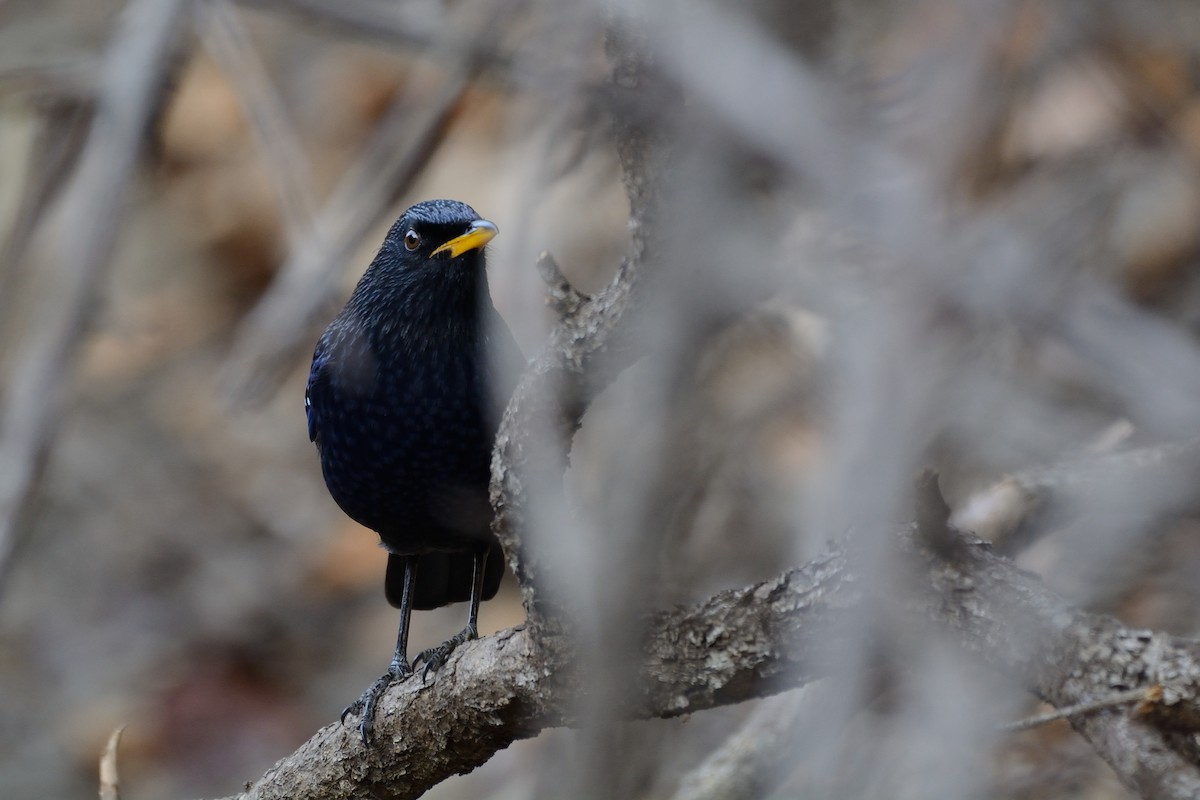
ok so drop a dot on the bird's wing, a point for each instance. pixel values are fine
(317, 378)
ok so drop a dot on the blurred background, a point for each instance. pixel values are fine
(959, 234)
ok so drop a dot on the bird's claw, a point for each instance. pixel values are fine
(370, 698)
(435, 657)
(353, 708)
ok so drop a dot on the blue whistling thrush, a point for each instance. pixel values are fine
(403, 399)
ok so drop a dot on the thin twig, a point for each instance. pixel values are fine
(110, 778)
(560, 294)
(1119, 699)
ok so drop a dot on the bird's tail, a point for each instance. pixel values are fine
(444, 578)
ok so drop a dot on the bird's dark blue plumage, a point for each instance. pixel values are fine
(403, 399)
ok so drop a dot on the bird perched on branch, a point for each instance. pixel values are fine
(403, 399)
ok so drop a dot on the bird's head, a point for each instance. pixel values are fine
(438, 233)
(434, 253)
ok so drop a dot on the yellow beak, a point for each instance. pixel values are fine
(480, 233)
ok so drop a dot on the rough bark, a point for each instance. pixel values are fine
(586, 349)
(763, 639)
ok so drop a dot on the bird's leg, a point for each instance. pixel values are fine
(435, 657)
(398, 669)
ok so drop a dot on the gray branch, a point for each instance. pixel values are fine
(747, 764)
(763, 639)
(586, 349)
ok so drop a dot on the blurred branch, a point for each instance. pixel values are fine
(760, 640)
(64, 123)
(229, 44)
(134, 73)
(282, 322)
(428, 28)
(394, 23)
(1011, 621)
(423, 27)
(751, 763)
(73, 78)
(829, 143)
(585, 350)
(404, 141)
(547, 405)
(1018, 509)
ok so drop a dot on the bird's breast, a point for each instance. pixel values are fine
(405, 440)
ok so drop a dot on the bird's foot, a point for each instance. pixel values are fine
(397, 672)
(435, 657)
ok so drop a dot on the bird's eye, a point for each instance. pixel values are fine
(412, 240)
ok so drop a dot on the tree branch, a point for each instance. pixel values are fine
(1010, 620)
(760, 640)
(586, 348)
(747, 764)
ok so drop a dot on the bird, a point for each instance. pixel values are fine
(403, 401)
